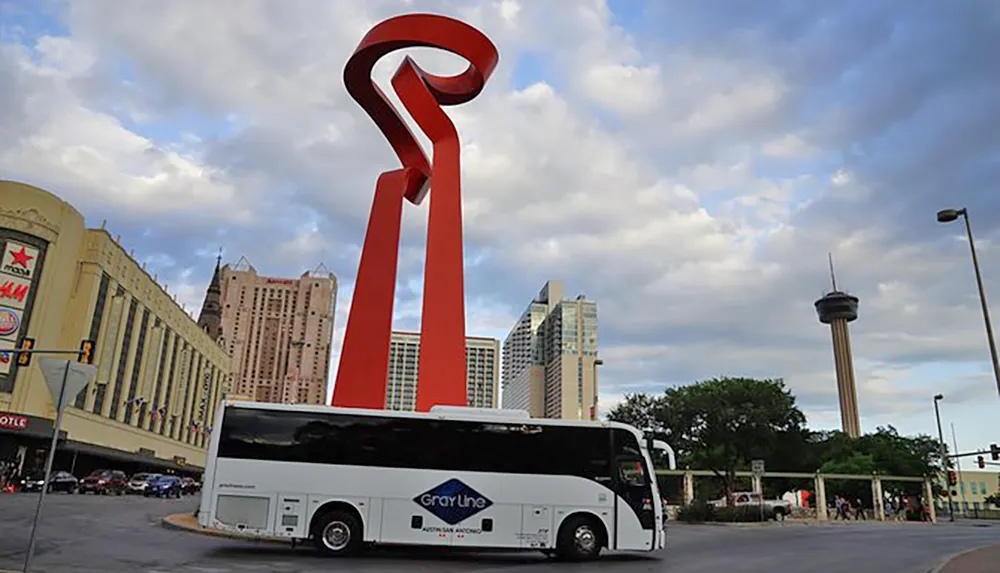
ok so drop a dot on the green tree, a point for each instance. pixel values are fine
(638, 410)
(884, 451)
(723, 423)
(994, 499)
(857, 464)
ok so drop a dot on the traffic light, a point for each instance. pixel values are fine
(86, 352)
(981, 461)
(24, 358)
(952, 477)
(995, 452)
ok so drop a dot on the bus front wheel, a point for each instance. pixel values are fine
(337, 533)
(580, 539)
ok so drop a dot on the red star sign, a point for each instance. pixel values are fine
(22, 258)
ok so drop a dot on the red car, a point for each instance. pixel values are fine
(104, 482)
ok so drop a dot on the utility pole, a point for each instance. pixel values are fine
(944, 458)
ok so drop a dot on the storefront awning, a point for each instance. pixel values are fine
(123, 456)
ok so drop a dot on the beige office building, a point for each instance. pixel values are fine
(973, 489)
(278, 331)
(550, 357)
(482, 363)
(159, 375)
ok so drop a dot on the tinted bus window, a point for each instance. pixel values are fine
(417, 443)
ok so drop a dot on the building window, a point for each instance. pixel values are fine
(165, 406)
(154, 399)
(116, 396)
(95, 328)
(140, 349)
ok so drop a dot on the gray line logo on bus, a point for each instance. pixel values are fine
(453, 501)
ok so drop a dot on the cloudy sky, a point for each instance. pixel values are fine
(686, 163)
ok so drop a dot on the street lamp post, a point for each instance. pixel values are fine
(948, 216)
(944, 457)
(593, 407)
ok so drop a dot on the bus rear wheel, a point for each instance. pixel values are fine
(579, 539)
(337, 533)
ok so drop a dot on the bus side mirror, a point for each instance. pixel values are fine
(661, 446)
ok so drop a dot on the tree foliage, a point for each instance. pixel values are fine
(723, 423)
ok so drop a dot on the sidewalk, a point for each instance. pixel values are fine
(188, 522)
(982, 560)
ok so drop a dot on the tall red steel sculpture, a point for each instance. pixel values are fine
(364, 359)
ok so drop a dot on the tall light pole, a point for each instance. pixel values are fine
(948, 216)
(593, 407)
(944, 457)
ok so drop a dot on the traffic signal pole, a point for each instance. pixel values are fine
(23, 354)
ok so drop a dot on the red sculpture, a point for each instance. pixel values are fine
(364, 359)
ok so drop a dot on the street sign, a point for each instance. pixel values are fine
(65, 379)
(58, 372)
(757, 467)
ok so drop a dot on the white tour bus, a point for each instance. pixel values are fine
(460, 477)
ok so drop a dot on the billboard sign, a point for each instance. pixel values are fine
(10, 323)
(20, 265)
(14, 291)
(6, 356)
(19, 260)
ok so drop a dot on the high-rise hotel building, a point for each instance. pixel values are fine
(278, 331)
(482, 363)
(550, 357)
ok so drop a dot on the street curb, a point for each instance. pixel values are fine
(797, 523)
(177, 523)
(947, 560)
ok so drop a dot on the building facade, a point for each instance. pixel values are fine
(159, 376)
(550, 357)
(482, 364)
(278, 331)
(972, 490)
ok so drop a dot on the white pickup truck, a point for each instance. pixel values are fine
(778, 508)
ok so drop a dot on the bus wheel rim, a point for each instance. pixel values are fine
(336, 535)
(585, 539)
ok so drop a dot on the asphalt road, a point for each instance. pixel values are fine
(90, 534)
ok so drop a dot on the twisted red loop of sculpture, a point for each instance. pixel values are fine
(364, 359)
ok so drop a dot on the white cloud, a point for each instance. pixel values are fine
(692, 184)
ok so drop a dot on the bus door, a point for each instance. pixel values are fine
(633, 486)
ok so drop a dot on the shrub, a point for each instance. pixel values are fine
(696, 512)
(741, 514)
(701, 512)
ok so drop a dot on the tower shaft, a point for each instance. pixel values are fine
(846, 388)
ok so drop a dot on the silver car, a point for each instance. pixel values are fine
(139, 483)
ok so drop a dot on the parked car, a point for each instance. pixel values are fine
(58, 481)
(139, 483)
(104, 482)
(164, 486)
(190, 486)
